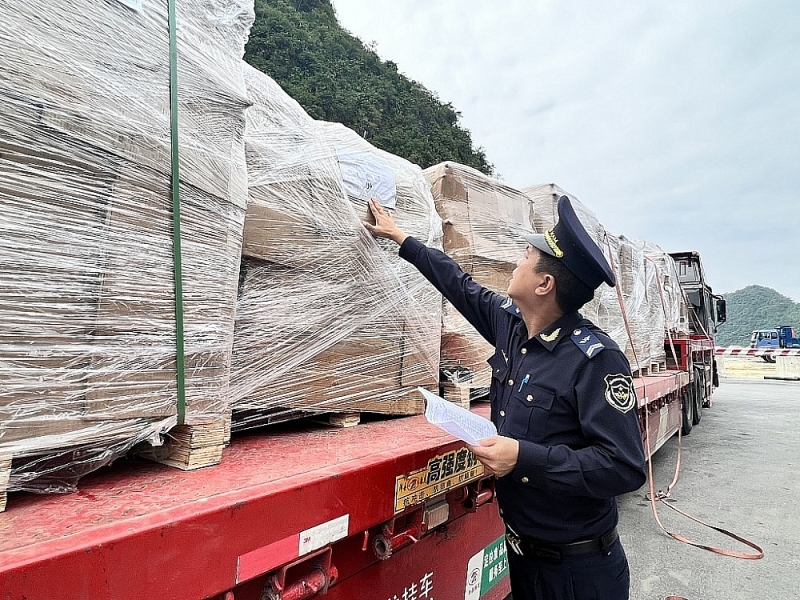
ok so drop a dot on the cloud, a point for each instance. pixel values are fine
(674, 122)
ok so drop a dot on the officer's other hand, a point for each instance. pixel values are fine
(384, 225)
(498, 454)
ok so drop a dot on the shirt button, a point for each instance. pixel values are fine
(524, 480)
(529, 398)
(510, 382)
(524, 350)
(502, 413)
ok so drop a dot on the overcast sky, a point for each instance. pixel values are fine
(676, 122)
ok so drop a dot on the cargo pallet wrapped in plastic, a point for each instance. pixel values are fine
(484, 221)
(88, 330)
(329, 319)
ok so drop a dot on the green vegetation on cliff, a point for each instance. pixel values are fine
(300, 44)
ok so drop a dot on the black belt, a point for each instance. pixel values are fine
(536, 550)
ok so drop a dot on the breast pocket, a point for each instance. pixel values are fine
(528, 413)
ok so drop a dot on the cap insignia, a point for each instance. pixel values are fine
(552, 241)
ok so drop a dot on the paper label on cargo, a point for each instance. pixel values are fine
(134, 4)
(323, 534)
(456, 421)
(365, 176)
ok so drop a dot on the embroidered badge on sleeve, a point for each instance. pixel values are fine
(620, 393)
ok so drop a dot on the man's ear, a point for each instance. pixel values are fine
(547, 285)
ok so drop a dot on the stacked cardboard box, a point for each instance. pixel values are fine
(484, 223)
(648, 288)
(87, 310)
(329, 319)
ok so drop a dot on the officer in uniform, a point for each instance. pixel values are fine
(563, 401)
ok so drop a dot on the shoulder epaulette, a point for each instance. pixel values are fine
(587, 342)
(510, 307)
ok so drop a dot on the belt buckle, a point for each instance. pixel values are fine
(514, 542)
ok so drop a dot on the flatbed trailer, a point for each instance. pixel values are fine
(387, 510)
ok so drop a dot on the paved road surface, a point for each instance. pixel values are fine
(741, 471)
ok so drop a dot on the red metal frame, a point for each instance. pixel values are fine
(660, 406)
(144, 530)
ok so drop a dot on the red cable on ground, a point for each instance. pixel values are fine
(654, 497)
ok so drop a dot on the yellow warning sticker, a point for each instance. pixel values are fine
(441, 474)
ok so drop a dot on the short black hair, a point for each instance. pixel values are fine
(571, 292)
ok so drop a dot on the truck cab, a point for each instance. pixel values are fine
(764, 338)
(708, 310)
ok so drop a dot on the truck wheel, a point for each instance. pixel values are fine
(699, 396)
(687, 408)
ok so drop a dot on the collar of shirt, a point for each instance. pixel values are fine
(555, 332)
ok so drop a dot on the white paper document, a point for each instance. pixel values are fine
(457, 421)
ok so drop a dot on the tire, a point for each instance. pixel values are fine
(687, 410)
(699, 387)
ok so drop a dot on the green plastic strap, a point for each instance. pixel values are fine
(176, 213)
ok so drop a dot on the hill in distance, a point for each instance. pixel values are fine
(756, 307)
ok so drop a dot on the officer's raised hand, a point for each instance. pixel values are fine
(498, 454)
(384, 224)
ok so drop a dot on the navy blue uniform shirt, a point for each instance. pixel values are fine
(566, 395)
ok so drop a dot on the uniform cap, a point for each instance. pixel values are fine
(568, 241)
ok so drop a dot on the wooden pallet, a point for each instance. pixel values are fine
(653, 368)
(5, 476)
(462, 393)
(193, 446)
(658, 367)
(340, 420)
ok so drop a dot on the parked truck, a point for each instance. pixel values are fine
(772, 339)
(387, 510)
(783, 337)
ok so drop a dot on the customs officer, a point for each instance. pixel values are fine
(563, 401)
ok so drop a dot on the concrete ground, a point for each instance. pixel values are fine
(740, 472)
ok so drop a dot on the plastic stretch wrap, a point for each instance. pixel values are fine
(652, 297)
(671, 298)
(87, 301)
(484, 221)
(329, 319)
(632, 277)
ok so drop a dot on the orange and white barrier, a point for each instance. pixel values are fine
(774, 352)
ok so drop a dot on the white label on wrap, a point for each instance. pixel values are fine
(366, 176)
(134, 4)
(323, 534)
